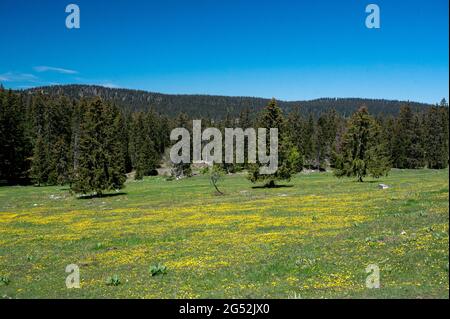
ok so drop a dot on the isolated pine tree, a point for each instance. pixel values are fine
(100, 159)
(288, 155)
(363, 152)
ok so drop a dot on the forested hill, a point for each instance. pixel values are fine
(216, 107)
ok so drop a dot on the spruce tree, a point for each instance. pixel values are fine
(416, 151)
(310, 141)
(436, 126)
(14, 143)
(145, 151)
(100, 159)
(245, 122)
(39, 165)
(288, 155)
(58, 134)
(182, 169)
(296, 129)
(407, 149)
(363, 152)
(61, 164)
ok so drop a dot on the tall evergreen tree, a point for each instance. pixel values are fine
(39, 165)
(58, 134)
(245, 122)
(14, 143)
(62, 165)
(407, 144)
(182, 169)
(436, 127)
(145, 145)
(364, 152)
(288, 155)
(296, 129)
(310, 141)
(100, 163)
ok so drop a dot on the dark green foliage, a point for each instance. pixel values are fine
(244, 121)
(43, 133)
(182, 169)
(144, 143)
(217, 107)
(325, 138)
(407, 145)
(14, 142)
(100, 160)
(436, 140)
(309, 140)
(296, 126)
(58, 133)
(364, 152)
(288, 156)
(39, 167)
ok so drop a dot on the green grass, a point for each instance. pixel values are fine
(313, 239)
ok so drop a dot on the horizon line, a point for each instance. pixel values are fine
(219, 95)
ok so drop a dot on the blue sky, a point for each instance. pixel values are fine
(291, 50)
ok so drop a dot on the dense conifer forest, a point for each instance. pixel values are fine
(89, 137)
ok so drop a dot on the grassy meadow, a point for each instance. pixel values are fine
(312, 238)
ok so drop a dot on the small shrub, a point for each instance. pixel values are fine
(306, 263)
(4, 280)
(113, 281)
(158, 270)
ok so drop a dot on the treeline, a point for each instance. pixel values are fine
(410, 139)
(88, 144)
(91, 143)
(217, 107)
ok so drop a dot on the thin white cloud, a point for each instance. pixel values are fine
(100, 82)
(45, 68)
(110, 85)
(18, 77)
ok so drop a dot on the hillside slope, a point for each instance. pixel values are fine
(213, 106)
